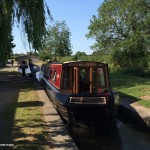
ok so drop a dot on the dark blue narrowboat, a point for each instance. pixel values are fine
(80, 91)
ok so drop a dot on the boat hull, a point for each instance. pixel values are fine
(91, 114)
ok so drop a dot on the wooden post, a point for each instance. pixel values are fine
(76, 80)
(91, 84)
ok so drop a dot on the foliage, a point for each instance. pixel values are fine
(78, 53)
(30, 15)
(5, 30)
(45, 55)
(121, 28)
(98, 52)
(102, 58)
(57, 41)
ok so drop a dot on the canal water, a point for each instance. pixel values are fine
(126, 136)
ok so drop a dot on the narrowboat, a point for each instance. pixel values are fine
(80, 91)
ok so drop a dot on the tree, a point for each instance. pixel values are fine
(5, 30)
(78, 53)
(57, 41)
(122, 29)
(31, 16)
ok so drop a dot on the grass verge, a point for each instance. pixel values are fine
(132, 87)
(30, 131)
(25, 126)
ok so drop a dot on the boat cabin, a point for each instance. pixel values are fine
(79, 77)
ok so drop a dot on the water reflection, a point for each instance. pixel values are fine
(125, 137)
(87, 139)
(134, 137)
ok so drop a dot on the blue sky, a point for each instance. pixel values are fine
(76, 14)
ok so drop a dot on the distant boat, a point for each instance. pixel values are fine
(80, 91)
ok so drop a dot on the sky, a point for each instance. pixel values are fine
(76, 14)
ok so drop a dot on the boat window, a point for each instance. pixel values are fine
(84, 83)
(54, 76)
(50, 74)
(67, 77)
(84, 74)
(101, 77)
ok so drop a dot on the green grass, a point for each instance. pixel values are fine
(144, 103)
(131, 87)
(25, 126)
(30, 131)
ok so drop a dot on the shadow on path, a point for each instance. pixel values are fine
(11, 83)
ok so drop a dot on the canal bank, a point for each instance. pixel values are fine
(58, 132)
(12, 129)
(135, 112)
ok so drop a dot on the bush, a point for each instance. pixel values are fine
(136, 71)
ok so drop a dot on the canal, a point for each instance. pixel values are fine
(126, 136)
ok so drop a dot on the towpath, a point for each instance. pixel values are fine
(10, 86)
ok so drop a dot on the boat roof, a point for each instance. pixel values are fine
(78, 63)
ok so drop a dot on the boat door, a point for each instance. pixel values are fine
(75, 80)
(82, 80)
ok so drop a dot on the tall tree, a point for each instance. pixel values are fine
(57, 41)
(79, 53)
(30, 14)
(122, 29)
(6, 12)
